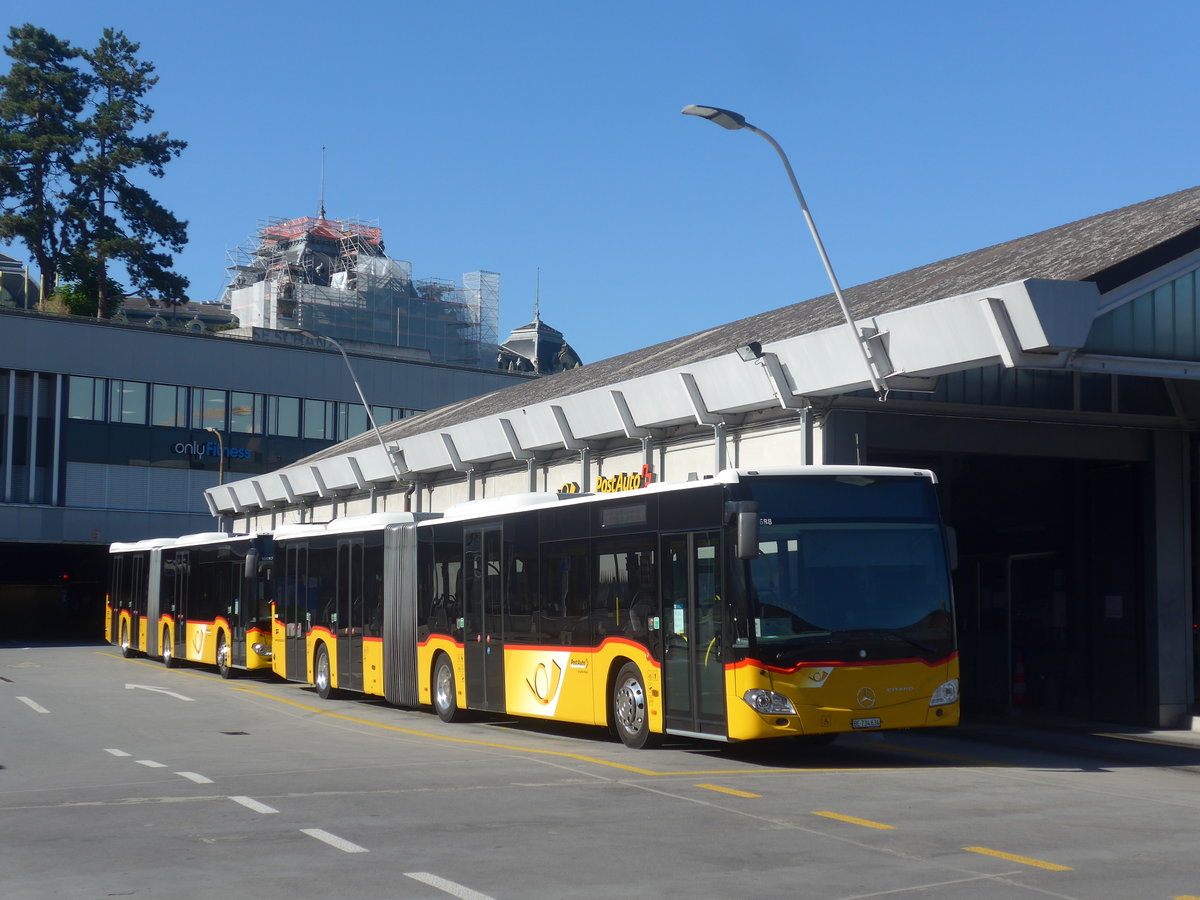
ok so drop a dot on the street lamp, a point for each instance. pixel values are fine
(220, 453)
(370, 416)
(734, 121)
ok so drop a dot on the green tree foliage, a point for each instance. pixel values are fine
(41, 98)
(72, 139)
(79, 287)
(115, 218)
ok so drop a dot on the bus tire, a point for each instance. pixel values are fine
(322, 676)
(168, 650)
(126, 644)
(445, 692)
(223, 667)
(629, 713)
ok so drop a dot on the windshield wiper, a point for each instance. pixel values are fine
(890, 632)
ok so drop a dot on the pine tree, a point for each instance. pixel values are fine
(114, 219)
(41, 97)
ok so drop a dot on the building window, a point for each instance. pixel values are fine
(168, 406)
(246, 413)
(320, 417)
(127, 402)
(85, 398)
(283, 416)
(208, 408)
(352, 420)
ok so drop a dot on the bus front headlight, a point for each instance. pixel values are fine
(946, 693)
(769, 703)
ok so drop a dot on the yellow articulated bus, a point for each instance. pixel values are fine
(770, 603)
(202, 598)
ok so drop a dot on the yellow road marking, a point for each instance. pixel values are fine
(1024, 860)
(496, 746)
(725, 790)
(865, 823)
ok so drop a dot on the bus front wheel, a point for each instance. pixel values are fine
(223, 666)
(321, 674)
(629, 713)
(445, 694)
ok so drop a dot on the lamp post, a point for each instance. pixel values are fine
(220, 453)
(734, 121)
(370, 416)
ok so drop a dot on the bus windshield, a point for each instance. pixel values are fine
(864, 574)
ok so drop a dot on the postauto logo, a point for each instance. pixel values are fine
(209, 448)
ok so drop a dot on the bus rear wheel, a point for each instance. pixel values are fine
(445, 694)
(223, 666)
(629, 713)
(321, 674)
(168, 650)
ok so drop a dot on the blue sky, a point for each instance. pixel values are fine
(523, 135)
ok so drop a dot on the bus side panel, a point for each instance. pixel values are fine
(610, 658)
(278, 644)
(319, 637)
(426, 654)
(372, 666)
(201, 642)
(141, 633)
(108, 619)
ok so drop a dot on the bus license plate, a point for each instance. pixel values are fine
(865, 723)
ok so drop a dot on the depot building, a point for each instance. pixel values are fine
(1051, 382)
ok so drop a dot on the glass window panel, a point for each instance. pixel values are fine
(314, 420)
(352, 420)
(208, 408)
(284, 416)
(127, 402)
(82, 393)
(168, 406)
(245, 413)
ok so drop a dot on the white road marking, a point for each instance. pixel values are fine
(34, 706)
(334, 841)
(150, 764)
(115, 752)
(192, 776)
(251, 803)
(157, 690)
(452, 888)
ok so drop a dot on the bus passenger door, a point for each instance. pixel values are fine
(349, 625)
(296, 613)
(692, 615)
(177, 606)
(484, 633)
(235, 611)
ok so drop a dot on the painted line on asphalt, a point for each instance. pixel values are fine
(193, 776)
(535, 751)
(150, 764)
(334, 841)
(453, 888)
(115, 752)
(865, 823)
(36, 707)
(1023, 860)
(251, 803)
(725, 790)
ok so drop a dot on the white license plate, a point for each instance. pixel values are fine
(865, 723)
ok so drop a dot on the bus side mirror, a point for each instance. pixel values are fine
(745, 515)
(251, 569)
